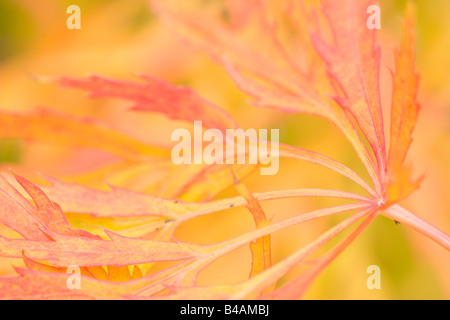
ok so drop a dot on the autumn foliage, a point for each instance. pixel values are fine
(315, 58)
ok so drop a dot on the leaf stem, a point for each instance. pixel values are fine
(402, 215)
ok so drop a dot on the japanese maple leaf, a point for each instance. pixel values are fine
(339, 82)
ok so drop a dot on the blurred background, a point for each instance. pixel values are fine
(120, 39)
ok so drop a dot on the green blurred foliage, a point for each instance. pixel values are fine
(17, 29)
(399, 263)
(10, 151)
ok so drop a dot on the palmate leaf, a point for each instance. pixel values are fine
(404, 113)
(155, 95)
(33, 223)
(175, 108)
(52, 285)
(101, 87)
(345, 67)
(119, 203)
(119, 251)
(59, 128)
(61, 249)
(251, 288)
(154, 214)
(353, 60)
(53, 235)
(350, 54)
(285, 87)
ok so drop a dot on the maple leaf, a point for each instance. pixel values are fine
(340, 83)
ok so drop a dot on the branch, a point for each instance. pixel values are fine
(402, 215)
